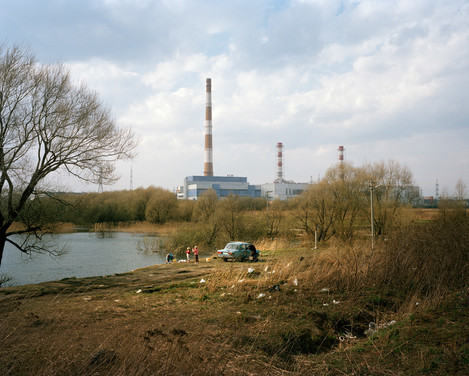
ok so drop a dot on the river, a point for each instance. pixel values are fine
(89, 254)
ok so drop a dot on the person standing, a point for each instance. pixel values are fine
(188, 254)
(196, 254)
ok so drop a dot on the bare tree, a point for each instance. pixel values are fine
(47, 125)
(230, 215)
(205, 212)
(453, 207)
(393, 189)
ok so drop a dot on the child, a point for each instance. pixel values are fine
(196, 254)
(188, 254)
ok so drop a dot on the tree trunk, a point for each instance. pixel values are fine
(3, 240)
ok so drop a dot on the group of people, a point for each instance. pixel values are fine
(195, 251)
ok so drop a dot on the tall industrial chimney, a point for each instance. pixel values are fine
(341, 150)
(279, 163)
(208, 160)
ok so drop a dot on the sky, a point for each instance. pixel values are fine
(387, 79)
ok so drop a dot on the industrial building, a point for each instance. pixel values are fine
(194, 186)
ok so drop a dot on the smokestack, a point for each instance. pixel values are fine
(208, 160)
(341, 150)
(279, 163)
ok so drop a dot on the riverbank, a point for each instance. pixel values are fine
(284, 315)
(143, 227)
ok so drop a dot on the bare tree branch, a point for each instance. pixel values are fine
(48, 124)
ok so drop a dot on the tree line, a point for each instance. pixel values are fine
(338, 207)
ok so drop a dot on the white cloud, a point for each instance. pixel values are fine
(374, 76)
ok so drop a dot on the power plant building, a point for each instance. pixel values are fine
(283, 191)
(194, 186)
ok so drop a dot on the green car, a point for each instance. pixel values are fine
(239, 251)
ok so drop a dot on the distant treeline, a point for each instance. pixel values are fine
(336, 208)
(155, 205)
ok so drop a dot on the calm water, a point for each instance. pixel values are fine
(88, 255)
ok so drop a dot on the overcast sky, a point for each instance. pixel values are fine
(385, 79)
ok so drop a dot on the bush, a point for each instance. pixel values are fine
(428, 259)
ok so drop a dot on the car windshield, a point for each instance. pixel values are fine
(238, 247)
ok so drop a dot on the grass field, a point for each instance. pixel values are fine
(296, 312)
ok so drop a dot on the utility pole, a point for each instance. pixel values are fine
(267, 198)
(372, 189)
(131, 178)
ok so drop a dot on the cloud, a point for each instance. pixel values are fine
(375, 76)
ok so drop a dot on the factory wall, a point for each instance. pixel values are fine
(194, 186)
(283, 191)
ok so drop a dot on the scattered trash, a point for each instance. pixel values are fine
(182, 261)
(335, 302)
(202, 281)
(223, 294)
(417, 303)
(346, 336)
(261, 295)
(250, 270)
(266, 268)
(233, 286)
(373, 327)
(241, 281)
(295, 282)
(138, 291)
(117, 300)
(325, 289)
(87, 299)
(325, 304)
(238, 313)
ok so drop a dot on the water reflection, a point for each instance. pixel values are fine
(89, 254)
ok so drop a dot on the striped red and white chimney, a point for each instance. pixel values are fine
(341, 150)
(208, 160)
(279, 162)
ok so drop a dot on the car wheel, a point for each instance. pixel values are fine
(225, 259)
